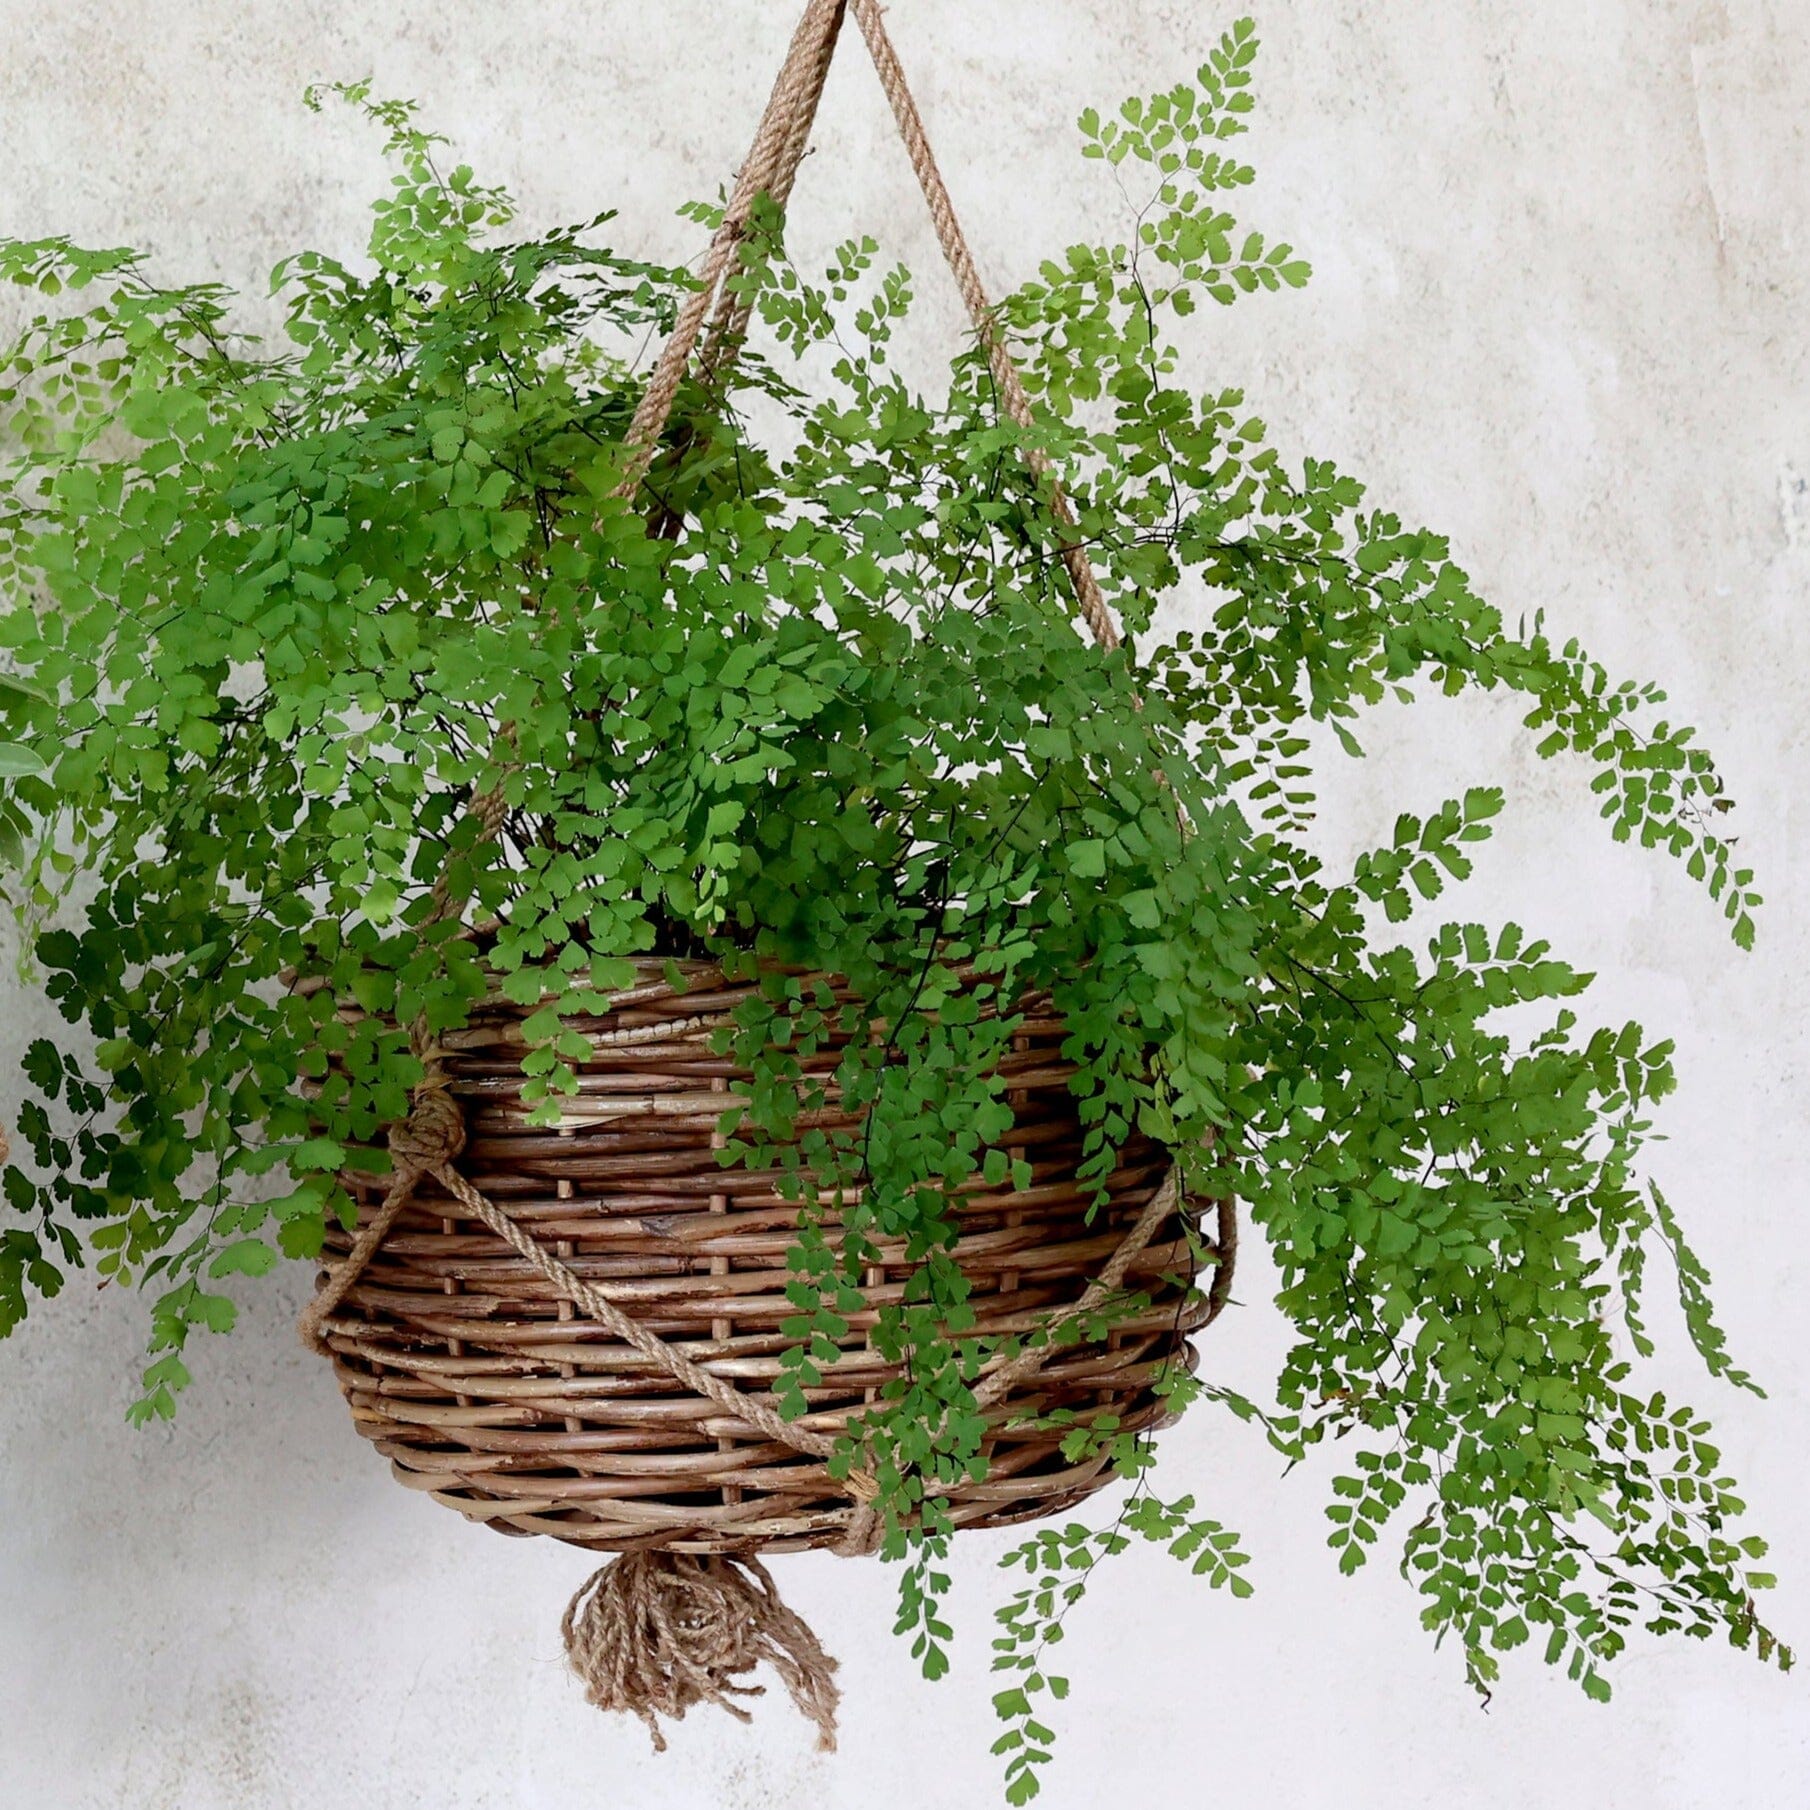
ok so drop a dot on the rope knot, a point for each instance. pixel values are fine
(434, 1132)
(864, 1530)
(655, 1633)
(424, 1143)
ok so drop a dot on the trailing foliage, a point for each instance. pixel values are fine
(272, 614)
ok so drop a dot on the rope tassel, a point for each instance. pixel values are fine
(655, 1633)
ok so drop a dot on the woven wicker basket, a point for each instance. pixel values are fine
(481, 1386)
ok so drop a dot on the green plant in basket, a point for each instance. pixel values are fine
(815, 702)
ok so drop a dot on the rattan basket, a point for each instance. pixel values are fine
(487, 1390)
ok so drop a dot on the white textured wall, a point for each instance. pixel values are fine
(1563, 256)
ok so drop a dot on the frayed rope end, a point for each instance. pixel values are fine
(654, 1633)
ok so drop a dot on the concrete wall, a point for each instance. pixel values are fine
(1563, 255)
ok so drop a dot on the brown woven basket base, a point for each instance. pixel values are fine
(482, 1387)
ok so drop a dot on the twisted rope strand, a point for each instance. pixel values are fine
(607, 1314)
(432, 1134)
(786, 122)
(734, 311)
(772, 167)
(1032, 1358)
(1012, 395)
(434, 1131)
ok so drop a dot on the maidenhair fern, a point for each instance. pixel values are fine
(270, 613)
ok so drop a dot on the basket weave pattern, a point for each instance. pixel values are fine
(481, 1386)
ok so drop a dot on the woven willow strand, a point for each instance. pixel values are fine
(426, 1145)
(630, 1330)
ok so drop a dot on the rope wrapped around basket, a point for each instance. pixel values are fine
(655, 1632)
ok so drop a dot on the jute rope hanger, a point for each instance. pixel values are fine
(651, 1632)
(771, 168)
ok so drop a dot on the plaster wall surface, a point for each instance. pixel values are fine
(1562, 253)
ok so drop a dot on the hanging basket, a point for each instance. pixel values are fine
(487, 1388)
(577, 1331)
